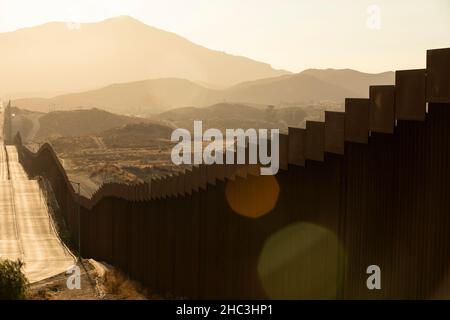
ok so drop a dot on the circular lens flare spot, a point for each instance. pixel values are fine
(254, 196)
(302, 261)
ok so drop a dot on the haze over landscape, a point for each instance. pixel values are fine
(293, 35)
(202, 149)
(153, 96)
(78, 80)
(107, 94)
(119, 50)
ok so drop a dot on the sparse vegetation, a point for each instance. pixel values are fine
(116, 283)
(97, 147)
(12, 280)
(80, 122)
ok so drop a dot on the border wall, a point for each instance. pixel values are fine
(375, 177)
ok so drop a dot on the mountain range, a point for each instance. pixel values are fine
(156, 96)
(125, 66)
(56, 57)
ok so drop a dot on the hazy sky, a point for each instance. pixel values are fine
(370, 36)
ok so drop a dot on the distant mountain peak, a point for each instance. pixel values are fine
(124, 19)
(336, 70)
(63, 57)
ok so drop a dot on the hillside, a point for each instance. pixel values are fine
(141, 97)
(220, 110)
(54, 58)
(228, 115)
(80, 122)
(300, 88)
(96, 146)
(26, 122)
(352, 80)
(138, 135)
(155, 96)
(308, 86)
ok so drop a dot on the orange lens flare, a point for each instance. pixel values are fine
(254, 196)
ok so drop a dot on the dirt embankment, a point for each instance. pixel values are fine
(99, 281)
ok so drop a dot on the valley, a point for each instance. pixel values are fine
(96, 146)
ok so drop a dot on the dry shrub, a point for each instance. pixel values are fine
(12, 280)
(116, 283)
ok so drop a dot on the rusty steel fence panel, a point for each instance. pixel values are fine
(382, 109)
(334, 132)
(357, 120)
(296, 148)
(284, 151)
(438, 75)
(315, 139)
(410, 94)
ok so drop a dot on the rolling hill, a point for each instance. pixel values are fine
(155, 96)
(232, 115)
(80, 122)
(136, 135)
(352, 80)
(53, 58)
(220, 110)
(141, 97)
(311, 85)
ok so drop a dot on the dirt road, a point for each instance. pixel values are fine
(26, 228)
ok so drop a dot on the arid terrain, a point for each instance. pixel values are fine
(98, 281)
(115, 124)
(96, 146)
